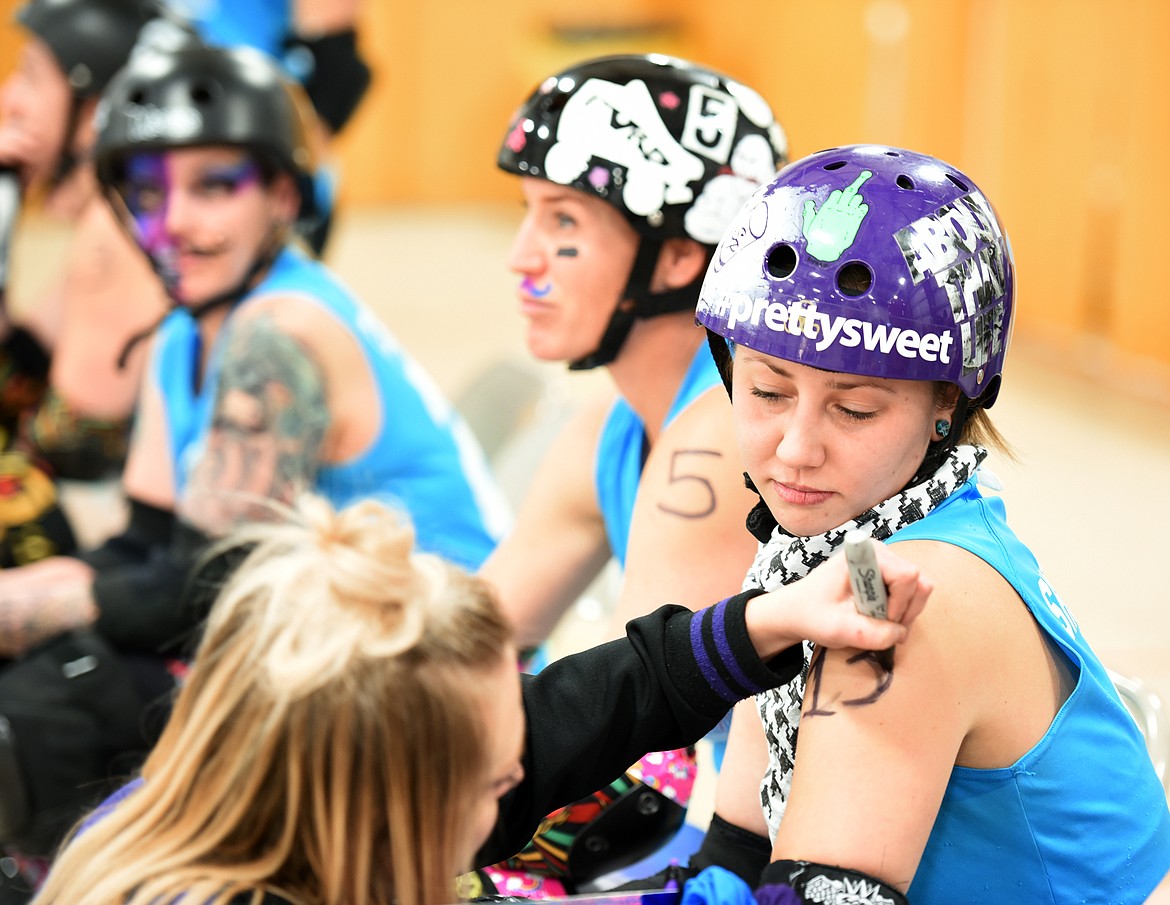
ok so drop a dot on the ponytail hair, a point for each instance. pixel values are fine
(326, 741)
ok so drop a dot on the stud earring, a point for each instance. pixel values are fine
(942, 427)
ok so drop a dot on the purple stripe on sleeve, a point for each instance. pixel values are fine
(723, 646)
(706, 667)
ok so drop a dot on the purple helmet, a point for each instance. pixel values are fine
(869, 260)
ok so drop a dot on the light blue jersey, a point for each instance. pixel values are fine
(263, 24)
(621, 451)
(424, 456)
(1081, 817)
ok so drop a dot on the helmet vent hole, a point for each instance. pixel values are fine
(835, 165)
(959, 182)
(893, 154)
(137, 98)
(201, 94)
(905, 182)
(781, 261)
(854, 279)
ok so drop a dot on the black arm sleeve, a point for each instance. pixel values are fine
(142, 588)
(591, 715)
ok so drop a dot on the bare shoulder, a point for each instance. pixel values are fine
(688, 542)
(299, 316)
(708, 418)
(315, 330)
(970, 599)
(694, 470)
(941, 668)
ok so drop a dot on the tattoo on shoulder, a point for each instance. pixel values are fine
(813, 704)
(269, 424)
(700, 493)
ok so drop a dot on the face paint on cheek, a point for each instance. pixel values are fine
(537, 292)
(145, 196)
(567, 252)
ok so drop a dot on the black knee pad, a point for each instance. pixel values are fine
(72, 711)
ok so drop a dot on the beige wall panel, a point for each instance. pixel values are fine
(1059, 108)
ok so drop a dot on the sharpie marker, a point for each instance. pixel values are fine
(869, 591)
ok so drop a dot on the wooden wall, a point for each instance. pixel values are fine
(1059, 109)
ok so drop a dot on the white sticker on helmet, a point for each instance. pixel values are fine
(150, 123)
(724, 196)
(710, 125)
(620, 123)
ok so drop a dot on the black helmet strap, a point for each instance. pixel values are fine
(721, 352)
(230, 297)
(67, 160)
(637, 301)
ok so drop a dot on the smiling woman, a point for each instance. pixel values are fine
(266, 377)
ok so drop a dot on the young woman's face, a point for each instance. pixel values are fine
(574, 253)
(203, 216)
(500, 703)
(35, 101)
(823, 447)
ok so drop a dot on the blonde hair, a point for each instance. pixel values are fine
(326, 741)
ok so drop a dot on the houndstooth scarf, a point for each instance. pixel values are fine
(785, 558)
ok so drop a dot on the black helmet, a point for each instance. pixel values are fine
(91, 39)
(650, 134)
(677, 148)
(196, 95)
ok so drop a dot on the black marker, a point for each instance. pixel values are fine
(869, 591)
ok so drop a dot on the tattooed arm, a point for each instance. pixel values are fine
(267, 430)
(41, 600)
(688, 543)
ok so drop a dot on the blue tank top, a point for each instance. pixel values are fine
(621, 454)
(1082, 816)
(424, 458)
(263, 24)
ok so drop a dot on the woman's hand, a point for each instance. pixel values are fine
(820, 608)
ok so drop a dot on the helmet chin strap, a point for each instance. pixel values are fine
(637, 301)
(721, 352)
(230, 297)
(67, 160)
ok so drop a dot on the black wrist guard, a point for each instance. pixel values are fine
(333, 73)
(828, 885)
